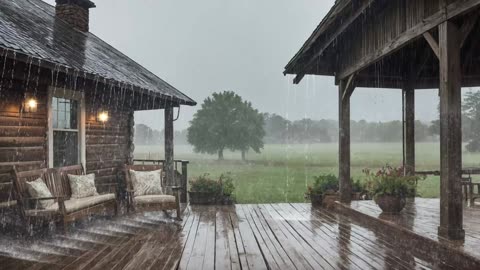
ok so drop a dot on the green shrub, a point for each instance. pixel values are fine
(358, 186)
(223, 186)
(206, 185)
(226, 182)
(323, 184)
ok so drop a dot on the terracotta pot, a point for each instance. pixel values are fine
(316, 199)
(390, 204)
(329, 200)
(202, 198)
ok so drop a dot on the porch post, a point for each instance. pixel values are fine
(344, 93)
(451, 206)
(169, 162)
(409, 129)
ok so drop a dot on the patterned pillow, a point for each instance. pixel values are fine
(82, 185)
(38, 189)
(147, 183)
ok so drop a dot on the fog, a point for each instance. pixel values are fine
(201, 47)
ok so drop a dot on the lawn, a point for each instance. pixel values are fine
(281, 173)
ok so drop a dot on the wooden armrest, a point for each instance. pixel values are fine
(45, 198)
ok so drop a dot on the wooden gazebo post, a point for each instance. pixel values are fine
(451, 205)
(346, 88)
(409, 127)
(169, 161)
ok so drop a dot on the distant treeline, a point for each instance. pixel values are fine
(145, 135)
(280, 131)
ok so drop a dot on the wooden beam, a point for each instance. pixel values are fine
(432, 42)
(348, 88)
(451, 11)
(344, 141)
(359, 11)
(169, 155)
(298, 78)
(451, 202)
(409, 128)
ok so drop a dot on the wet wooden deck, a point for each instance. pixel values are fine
(422, 216)
(270, 236)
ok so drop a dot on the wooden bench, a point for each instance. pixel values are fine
(65, 209)
(170, 201)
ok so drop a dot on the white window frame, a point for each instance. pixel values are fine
(67, 94)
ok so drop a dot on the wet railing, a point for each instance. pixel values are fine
(181, 173)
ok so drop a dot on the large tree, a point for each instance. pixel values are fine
(249, 129)
(225, 121)
(471, 110)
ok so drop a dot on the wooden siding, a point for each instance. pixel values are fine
(108, 144)
(23, 136)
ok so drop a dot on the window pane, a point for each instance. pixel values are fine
(65, 113)
(65, 148)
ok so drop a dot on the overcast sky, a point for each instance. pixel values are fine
(207, 46)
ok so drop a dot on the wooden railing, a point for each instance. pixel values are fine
(181, 173)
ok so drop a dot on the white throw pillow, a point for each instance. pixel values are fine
(82, 185)
(147, 183)
(38, 189)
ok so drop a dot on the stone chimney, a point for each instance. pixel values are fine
(74, 12)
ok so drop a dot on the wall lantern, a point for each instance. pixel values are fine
(30, 105)
(102, 116)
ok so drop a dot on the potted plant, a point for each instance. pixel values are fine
(359, 191)
(226, 182)
(390, 188)
(324, 190)
(204, 190)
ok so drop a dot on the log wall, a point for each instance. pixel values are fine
(24, 136)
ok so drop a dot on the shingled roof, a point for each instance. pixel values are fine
(29, 27)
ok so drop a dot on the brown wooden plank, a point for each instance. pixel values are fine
(254, 256)
(226, 253)
(293, 250)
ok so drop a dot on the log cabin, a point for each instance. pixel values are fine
(67, 97)
(408, 45)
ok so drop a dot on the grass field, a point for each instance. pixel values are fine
(281, 173)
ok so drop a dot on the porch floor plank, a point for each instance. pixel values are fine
(266, 236)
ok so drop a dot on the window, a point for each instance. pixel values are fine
(66, 135)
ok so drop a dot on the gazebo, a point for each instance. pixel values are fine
(409, 45)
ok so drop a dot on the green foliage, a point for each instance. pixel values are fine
(471, 109)
(391, 181)
(358, 186)
(206, 185)
(223, 186)
(323, 184)
(226, 181)
(225, 121)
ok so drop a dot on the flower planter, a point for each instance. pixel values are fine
(329, 199)
(227, 200)
(316, 199)
(358, 196)
(202, 198)
(390, 204)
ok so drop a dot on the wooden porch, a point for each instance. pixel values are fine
(269, 236)
(419, 222)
